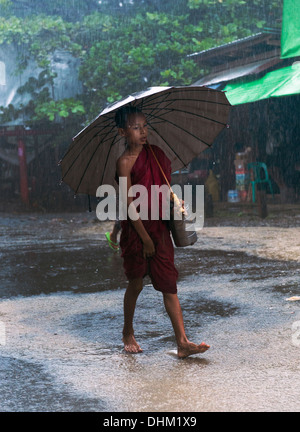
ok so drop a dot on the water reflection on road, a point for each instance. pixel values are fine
(61, 302)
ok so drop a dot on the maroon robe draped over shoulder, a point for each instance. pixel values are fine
(160, 267)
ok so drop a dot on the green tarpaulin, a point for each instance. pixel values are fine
(281, 82)
(290, 33)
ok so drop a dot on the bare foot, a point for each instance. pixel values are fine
(190, 348)
(131, 345)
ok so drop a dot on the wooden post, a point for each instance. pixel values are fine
(23, 172)
(262, 203)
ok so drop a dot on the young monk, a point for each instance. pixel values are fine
(146, 245)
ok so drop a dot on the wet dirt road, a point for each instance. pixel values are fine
(61, 319)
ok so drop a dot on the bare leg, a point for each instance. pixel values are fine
(185, 348)
(133, 290)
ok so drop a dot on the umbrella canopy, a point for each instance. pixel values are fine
(183, 121)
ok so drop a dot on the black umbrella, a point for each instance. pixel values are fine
(183, 121)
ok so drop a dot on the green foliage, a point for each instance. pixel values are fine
(249, 15)
(38, 36)
(121, 52)
(69, 10)
(148, 50)
(54, 109)
(5, 7)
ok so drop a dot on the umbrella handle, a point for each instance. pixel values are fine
(160, 167)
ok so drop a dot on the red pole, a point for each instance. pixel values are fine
(23, 172)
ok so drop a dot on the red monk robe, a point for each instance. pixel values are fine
(160, 267)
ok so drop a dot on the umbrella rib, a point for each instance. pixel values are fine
(86, 145)
(163, 101)
(86, 169)
(71, 166)
(184, 130)
(111, 125)
(190, 100)
(147, 106)
(88, 164)
(177, 155)
(194, 114)
(108, 153)
(200, 89)
(147, 102)
(78, 141)
(103, 127)
(156, 106)
(152, 99)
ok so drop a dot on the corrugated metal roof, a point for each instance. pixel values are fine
(263, 45)
(239, 71)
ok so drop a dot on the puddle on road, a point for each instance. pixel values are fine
(61, 302)
(85, 266)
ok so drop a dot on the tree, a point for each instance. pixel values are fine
(124, 46)
(69, 10)
(146, 50)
